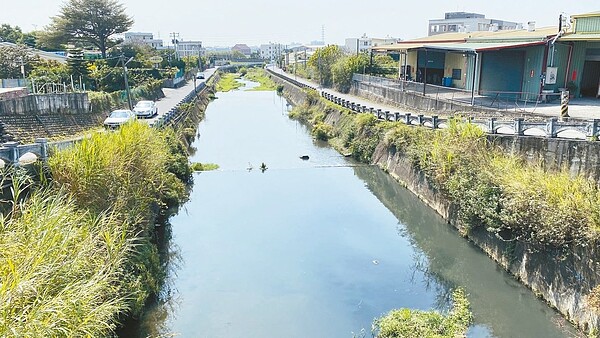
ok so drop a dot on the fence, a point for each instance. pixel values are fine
(449, 98)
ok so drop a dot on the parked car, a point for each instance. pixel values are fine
(145, 109)
(118, 117)
(200, 75)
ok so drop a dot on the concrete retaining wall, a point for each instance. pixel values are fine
(562, 279)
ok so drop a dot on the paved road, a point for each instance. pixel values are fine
(581, 108)
(174, 95)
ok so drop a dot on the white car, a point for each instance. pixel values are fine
(119, 117)
(145, 109)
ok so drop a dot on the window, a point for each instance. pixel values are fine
(456, 74)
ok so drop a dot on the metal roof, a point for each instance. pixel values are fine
(483, 46)
(580, 37)
(500, 38)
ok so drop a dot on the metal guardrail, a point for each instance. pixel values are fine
(552, 128)
(519, 126)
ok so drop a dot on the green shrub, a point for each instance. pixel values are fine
(407, 323)
(322, 131)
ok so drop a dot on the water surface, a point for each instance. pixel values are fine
(316, 248)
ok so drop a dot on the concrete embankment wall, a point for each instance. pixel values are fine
(562, 279)
(46, 115)
(578, 156)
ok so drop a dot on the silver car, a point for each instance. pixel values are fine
(145, 109)
(118, 117)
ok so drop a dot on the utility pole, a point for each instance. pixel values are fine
(122, 59)
(174, 39)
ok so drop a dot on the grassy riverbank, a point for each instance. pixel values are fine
(78, 254)
(523, 205)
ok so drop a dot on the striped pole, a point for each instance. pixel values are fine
(564, 105)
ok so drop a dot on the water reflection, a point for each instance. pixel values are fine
(499, 302)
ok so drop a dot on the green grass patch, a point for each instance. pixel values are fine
(407, 323)
(228, 82)
(260, 75)
(197, 166)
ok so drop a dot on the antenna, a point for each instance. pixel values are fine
(323, 33)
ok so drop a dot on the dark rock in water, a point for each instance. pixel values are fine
(304, 157)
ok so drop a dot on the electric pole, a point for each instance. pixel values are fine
(122, 59)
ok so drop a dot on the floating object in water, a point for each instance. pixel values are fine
(375, 262)
(250, 167)
(304, 157)
(263, 167)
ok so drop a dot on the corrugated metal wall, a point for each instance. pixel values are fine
(533, 69)
(588, 25)
(578, 62)
(561, 57)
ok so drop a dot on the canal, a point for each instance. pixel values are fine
(317, 247)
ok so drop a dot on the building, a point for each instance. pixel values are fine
(358, 45)
(189, 48)
(365, 43)
(526, 64)
(242, 48)
(270, 51)
(142, 39)
(468, 22)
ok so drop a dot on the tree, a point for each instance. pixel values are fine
(11, 59)
(343, 69)
(90, 21)
(322, 61)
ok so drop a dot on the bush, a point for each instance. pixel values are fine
(406, 323)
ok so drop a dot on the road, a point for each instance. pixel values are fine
(174, 95)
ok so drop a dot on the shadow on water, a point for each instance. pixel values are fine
(502, 307)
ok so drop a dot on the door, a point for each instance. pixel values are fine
(502, 73)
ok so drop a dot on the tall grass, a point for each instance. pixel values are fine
(61, 270)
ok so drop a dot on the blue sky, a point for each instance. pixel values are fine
(227, 22)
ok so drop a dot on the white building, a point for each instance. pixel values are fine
(143, 39)
(468, 22)
(189, 48)
(270, 51)
(365, 43)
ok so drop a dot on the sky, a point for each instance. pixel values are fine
(253, 22)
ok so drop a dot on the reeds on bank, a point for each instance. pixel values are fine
(78, 254)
